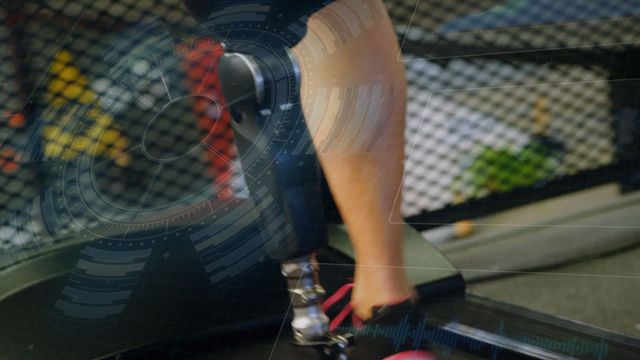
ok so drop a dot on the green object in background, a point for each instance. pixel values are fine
(500, 170)
(540, 159)
(503, 170)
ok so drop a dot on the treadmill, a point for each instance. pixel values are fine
(175, 312)
(106, 291)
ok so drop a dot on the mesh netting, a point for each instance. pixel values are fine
(502, 96)
(108, 116)
(512, 95)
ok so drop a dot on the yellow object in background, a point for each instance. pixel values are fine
(445, 233)
(65, 136)
(67, 82)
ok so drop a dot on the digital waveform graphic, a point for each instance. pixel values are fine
(454, 335)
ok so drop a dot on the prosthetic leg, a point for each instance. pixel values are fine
(261, 88)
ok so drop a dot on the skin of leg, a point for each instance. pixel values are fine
(354, 100)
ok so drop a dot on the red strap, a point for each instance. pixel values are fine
(337, 296)
(331, 300)
(340, 317)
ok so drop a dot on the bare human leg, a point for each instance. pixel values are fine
(354, 97)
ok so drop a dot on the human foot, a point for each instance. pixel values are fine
(385, 334)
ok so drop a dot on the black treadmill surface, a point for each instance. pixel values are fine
(245, 319)
(459, 327)
(172, 300)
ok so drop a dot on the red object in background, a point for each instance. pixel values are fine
(200, 63)
(17, 120)
(14, 120)
(9, 160)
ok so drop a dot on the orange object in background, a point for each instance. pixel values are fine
(17, 120)
(9, 160)
(458, 230)
(200, 65)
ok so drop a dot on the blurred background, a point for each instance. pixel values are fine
(522, 138)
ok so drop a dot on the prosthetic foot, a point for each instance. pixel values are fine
(310, 324)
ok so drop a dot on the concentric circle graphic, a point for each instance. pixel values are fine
(153, 124)
(147, 62)
(247, 226)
